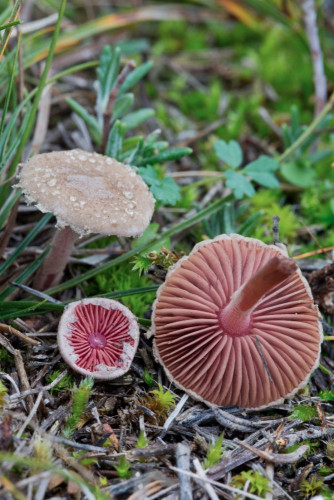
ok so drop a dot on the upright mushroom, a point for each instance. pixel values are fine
(98, 337)
(235, 324)
(88, 193)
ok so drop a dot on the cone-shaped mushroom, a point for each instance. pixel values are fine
(98, 337)
(235, 324)
(88, 193)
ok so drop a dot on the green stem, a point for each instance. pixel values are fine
(309, 131)
(33, 112)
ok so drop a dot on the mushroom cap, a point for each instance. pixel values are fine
(98, 337)
(222, 369)
(89, 192)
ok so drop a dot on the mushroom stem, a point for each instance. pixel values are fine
(235, 318)
(51, 271)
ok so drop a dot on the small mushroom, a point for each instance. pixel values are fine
(88, 193)
(98, 337)
(235, 324)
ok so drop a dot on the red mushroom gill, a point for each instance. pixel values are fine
(98, 337)
(235, 324)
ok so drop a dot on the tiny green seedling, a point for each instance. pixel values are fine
(123, 468)
(311, 487)
(304, 412)
(257, 484)
(142, 440)
(148, 379)
(64, 383)
(215, 453)
(80, 399)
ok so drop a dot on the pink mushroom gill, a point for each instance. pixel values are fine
(235, 324)
(98, 337)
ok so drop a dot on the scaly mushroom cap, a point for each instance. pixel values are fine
(271, 353)
(89, 192)
(98, 337)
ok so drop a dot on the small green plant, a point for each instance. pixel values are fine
(65, 383)
(5, 357)
(42, 452)
(304, 412)
(113, 120)
(311, 487)
(327, 395)
(261, 170)
(3, 395)
(87, 461)
(160, 402)
(80, 399)
(214, 453)
(148, 379)
(123, 468)
(258, 484)
(142, 440)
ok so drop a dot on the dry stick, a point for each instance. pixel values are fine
(277, 458)
(204, 485)
(183, 463)
(174, 414)
(227, 420)
(275, 229)
(31, 414)
(218, 485)
(22, 395)
(21, 371)
(319, 77)
(12, 331)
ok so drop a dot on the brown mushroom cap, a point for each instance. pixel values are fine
(98, 337)
(89, 192)
(255, 367)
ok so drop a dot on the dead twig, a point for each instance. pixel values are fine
(277, 458)
(22, 336)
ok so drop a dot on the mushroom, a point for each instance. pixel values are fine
(235, 324)
(98, 337)
(88, 193)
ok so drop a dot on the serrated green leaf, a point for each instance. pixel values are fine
(165, 190)
(134, 119)
(134, 77)
(229, 152)
(122, 106)
(239, 184)
(261, 171)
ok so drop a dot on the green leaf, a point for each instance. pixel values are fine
(171, 154)
(239, 184)
(304, 412)
(115, 140)
(122, 106)
(107, 73)
(134, 119)
(90, 120)
(165, 190)
(298, 175)
(261, 170)
(229, 152)
(135, 76)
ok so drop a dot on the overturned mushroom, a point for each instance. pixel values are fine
(98, 337)
(235, 324)
(88, 193)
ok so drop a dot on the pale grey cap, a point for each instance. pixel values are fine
(89, 192)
